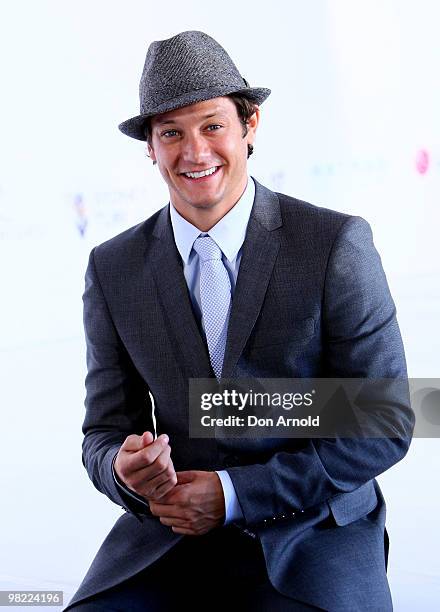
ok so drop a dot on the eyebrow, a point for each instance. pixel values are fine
(169, 121)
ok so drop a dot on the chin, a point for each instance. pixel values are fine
(209, 202)
(203, 205)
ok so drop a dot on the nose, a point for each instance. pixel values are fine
(195, 149)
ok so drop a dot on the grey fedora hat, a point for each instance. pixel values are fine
(187, 68)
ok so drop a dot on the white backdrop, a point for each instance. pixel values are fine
(352, 124)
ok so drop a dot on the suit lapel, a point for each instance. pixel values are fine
(175, 301)
(260, 250)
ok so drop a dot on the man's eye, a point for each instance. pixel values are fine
(169, 133)
(213, 127)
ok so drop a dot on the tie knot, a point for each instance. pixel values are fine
(206, 248)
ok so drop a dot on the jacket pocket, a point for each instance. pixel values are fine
(349, 507)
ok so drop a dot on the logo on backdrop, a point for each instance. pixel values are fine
(80, 213)
(422, 161)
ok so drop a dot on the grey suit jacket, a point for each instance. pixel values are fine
(311, 300)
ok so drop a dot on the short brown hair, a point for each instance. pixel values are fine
(245, 109)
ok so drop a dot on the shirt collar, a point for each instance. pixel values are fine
(229, 233)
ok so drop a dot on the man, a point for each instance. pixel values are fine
(230, 280)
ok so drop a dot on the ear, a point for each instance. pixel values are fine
(252, 124)
(151, 153)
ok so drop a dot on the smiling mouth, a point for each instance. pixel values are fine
(202, 175)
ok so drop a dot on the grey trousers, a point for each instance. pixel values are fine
(223, 570)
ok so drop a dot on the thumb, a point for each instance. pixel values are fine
(185, 477)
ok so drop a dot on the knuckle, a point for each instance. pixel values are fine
(129, 440)
(166, 453)
(120, 460)
(121, 471)
(161, 463)
(148, 456)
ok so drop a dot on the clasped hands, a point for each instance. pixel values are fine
(190, 502)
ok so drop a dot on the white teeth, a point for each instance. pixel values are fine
(199, 174)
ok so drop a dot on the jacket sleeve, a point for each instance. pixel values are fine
(117, 399)
(361, 339)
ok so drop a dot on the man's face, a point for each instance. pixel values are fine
(206, 136)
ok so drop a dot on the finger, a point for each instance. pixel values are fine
(134, 442)
(159, 486)
(168, 511)
(131, 465)
(185, 477)
(147, 438)
(172, 522)
(185, 531)
(159, 509)
(175, 497)
(146, 481)
(146, 457)
(173, 516)
(166, 487)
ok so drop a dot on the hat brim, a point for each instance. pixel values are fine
(134, 127)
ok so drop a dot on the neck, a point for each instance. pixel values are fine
(204, 218)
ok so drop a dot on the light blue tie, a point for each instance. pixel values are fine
(215, 296)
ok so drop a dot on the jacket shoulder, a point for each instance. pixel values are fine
(299, 215)
(130, 242)
(291, 206)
